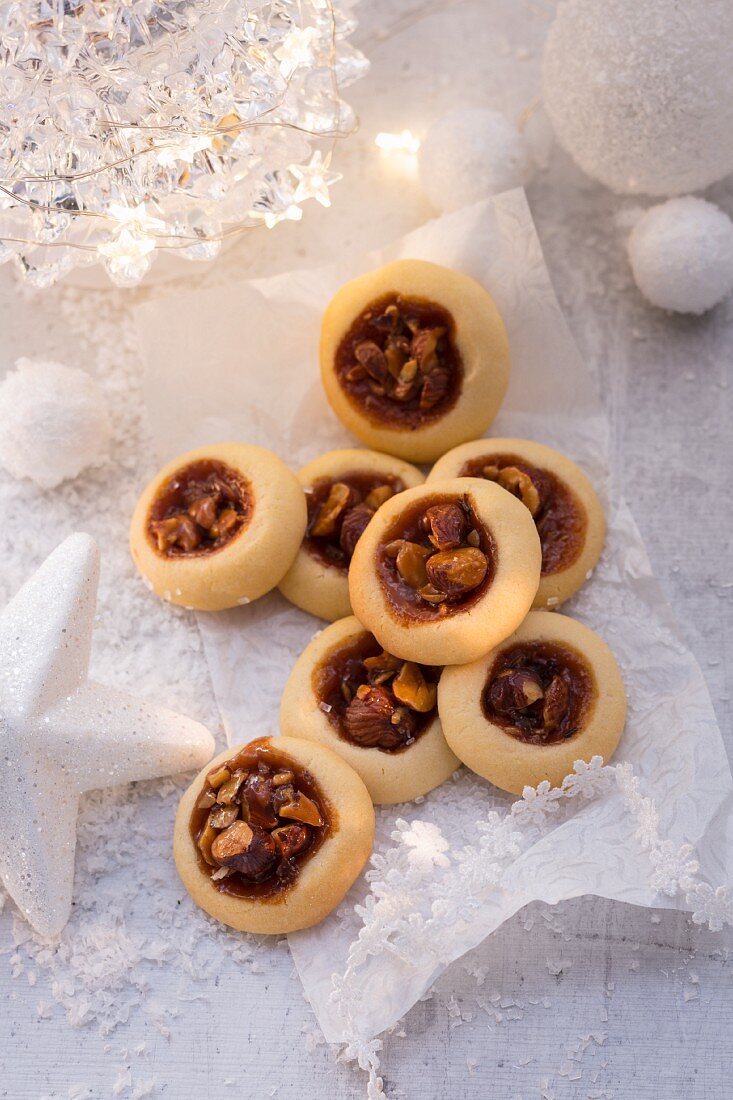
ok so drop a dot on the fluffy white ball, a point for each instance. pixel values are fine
(641, 94)
(470, 154)
(681, 253)
(53, 422)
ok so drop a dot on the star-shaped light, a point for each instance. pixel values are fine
(184, 150)
(61, 734)
(272, 218)
(296, 49)
(126, 256)
(314, 179)
(135, 217)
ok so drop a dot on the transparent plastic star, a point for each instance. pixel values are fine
(61, 734)
(296, 49)
(126, 255)
(185, 150)
(314, 179)
(291, 213)
(135, 217)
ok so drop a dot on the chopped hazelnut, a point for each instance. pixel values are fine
(301, 808)
(218, 776)
(291, 839)
(221, 817)
(411, 559)
(368, 718)
(446, 524)
(411, 688)
(247, 849)
(228, 791)
(354, 524)
(339, 498)
(521, 485)
(204, 511)
(557, 698)
(455, 572)
(376, 498)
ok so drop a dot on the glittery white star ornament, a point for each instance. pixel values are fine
(61, 734)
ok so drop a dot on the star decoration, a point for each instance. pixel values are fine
(185, 150)
(296, 49)
(61, 734)
(291, 213)
(314, 179)
(135, 217)
(126, 255)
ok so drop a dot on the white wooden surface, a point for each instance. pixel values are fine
(589, 1000)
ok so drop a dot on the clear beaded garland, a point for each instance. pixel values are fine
(132, 126)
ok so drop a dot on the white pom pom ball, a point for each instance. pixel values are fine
(470, 154)
(681, 254)
(641, 94)
(53, 422)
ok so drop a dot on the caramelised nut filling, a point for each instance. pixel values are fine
(340, 508)
(437, 558)
(399, 361)
(258, 819)
(198, 510)
(539, 692)
(559, 516)
(374, 699)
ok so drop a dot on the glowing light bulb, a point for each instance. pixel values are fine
(314, 179)
(404, 142)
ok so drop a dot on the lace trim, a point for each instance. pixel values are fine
(392, 914)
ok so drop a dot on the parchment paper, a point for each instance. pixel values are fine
(241, 362)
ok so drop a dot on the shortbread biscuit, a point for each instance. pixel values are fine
(563, 503)
(271, 835)
(376, 711)
(547, 696)
(446, 571)
(343, 491)
(414, 358)
(218, 526)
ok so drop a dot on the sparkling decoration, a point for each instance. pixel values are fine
(470, 154)
(62, 735)
(137, 127)
(53, 422)
(681, 254)
(641, 95)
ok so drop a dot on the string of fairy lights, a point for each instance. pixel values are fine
(171, 129)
